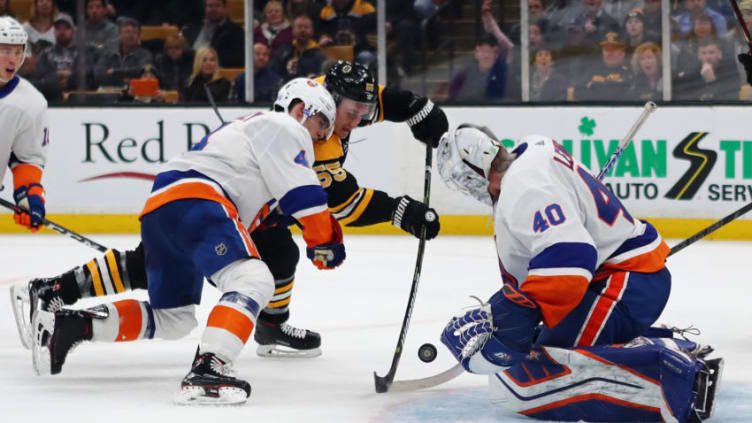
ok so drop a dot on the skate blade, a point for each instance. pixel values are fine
(280, 351)
(42, 327)
(19, 299)
(196, 395)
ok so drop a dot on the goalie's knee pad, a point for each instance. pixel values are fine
(646, 380)
(249, 277)
(174, 323)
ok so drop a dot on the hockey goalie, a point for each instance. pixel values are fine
(569, 335)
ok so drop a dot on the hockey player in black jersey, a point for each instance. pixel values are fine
(360, 102)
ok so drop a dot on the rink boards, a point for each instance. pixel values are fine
(686, 167)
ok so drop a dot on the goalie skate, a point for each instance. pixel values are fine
(209, 383)
(283, 340)
(707, 382)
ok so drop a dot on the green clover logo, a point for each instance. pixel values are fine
(586, 126)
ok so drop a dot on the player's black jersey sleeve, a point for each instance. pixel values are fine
(349, 203)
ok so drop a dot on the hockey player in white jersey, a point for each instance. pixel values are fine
(572, 257)
(195, 224)
(23, 119)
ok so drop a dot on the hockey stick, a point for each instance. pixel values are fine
(427, 382)
(646, 111)
(383, 383)
(213, 104)
(742, 24)
(710, 229)
(55, 227)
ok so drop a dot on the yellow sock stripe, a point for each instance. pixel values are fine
(114, 272)
(278, 304)
(96, 278)
(358, 210)
(284, 288)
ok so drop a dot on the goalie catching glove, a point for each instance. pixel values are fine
(30, 198)
(411, 216)
(328, 255)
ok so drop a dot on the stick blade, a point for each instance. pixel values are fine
(381, 383)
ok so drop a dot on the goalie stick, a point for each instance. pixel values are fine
(54, 226)
(383, 383)
(646, 111)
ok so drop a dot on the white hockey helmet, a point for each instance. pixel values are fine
(13, 33)
(315, 97)
(464, 159)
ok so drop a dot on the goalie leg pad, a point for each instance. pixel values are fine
(647, 380)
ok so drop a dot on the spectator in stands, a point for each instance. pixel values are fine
(619, 9)
(713, 79)
(536, 15)
(40, 26)
(483, 79)
(577, 56)
(736, 39)
(101, 35)
(648, 79)
(266, 81)
(175, 63)
(116, 69)
(508, 52)
(275, 31)
(347, 22)
(5, 9)
(597, 22)
(219, 32)
(703, 28)
(310, 8)
(60, 67)
(546, 84)
(651, 18)
(611, 79)
(635, 32)
(302, 57)
(694, 7)
(148, 73)
(402, 27)
(206, 73)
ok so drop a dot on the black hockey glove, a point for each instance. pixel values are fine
(746, 60)
(411, 215)
(428, 123)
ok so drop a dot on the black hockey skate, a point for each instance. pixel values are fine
(706, 386)
(283, 340)
(55, 334)
(38, 294)
(210, 382)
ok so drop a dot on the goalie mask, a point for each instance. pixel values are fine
(12, 33)
(315, 97)
(464, 160)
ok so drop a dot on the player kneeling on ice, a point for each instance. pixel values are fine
(194, 226)
(573, 258)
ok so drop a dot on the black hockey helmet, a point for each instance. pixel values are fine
(353, 81)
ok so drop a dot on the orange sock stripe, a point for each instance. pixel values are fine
(231, 320)
(114, 271)
(131, 320)
(96, 278)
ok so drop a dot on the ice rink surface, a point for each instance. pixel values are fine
(358, 310)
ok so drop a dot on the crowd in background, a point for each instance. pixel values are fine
(579, 50)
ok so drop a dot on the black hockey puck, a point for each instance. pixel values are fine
(427, 353)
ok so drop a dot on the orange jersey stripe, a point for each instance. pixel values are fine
(130, 320)
(231, 320)
(649, 262)
(187, 190)
(317, 228)
(25, 174)
(249, 245)
(556, 295)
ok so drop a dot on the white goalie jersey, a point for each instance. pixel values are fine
(558, 227)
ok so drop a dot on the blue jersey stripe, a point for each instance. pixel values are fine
(9, 87)
(639, 241)
(301, 198)
(242, 300)
(566, 254)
